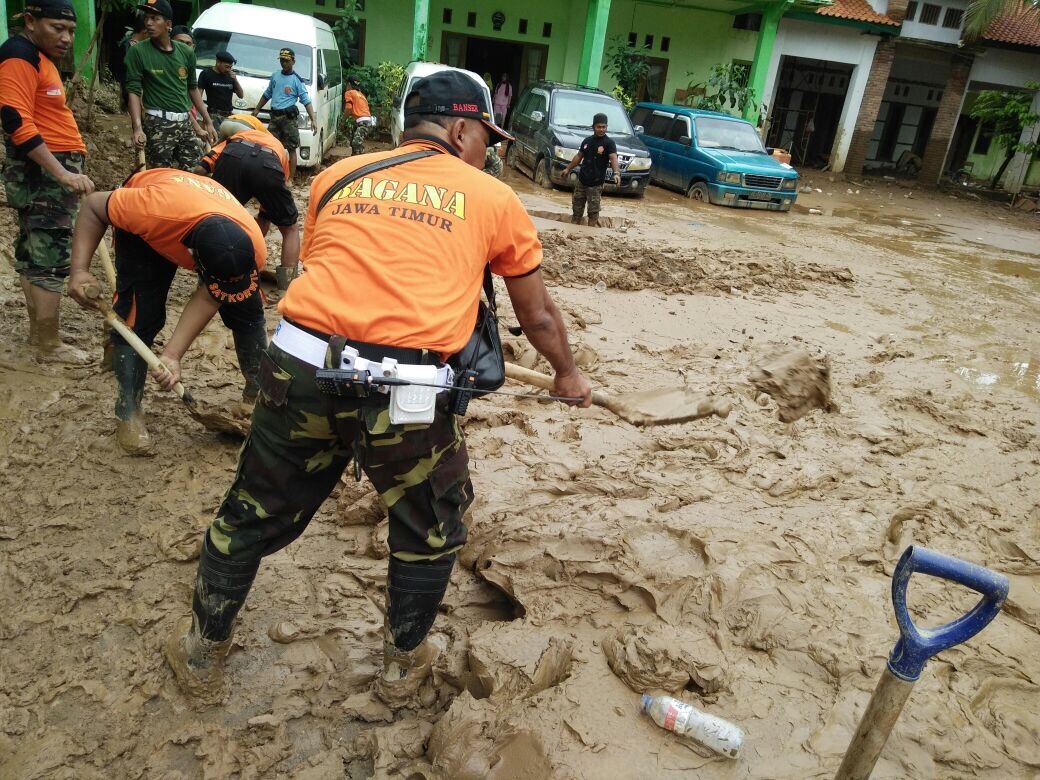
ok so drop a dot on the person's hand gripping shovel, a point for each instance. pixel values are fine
(916, 646)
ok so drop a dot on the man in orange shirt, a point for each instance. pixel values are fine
(43, 169)
(395, 262)
(251, 163)
(355, 105)
(163, 219)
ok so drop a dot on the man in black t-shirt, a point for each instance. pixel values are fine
(596, 155)
(217, 83)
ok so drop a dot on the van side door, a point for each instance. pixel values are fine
(677, 147)
(657, 127)
(333, 93)
(532, 116)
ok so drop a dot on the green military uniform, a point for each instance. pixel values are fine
(162, 80)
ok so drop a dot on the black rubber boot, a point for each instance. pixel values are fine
(249, 346)
(414, 592)
(221, 587)
(130, 372)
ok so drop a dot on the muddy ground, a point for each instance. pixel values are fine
(743, 564)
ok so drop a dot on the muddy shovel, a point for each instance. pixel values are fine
(211, 419)
(651, 407)
(916, 646)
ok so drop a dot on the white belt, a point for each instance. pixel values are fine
(312, 350)
(170, 115)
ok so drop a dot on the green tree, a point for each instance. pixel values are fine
(346, 31)
(629, 66)
(726, 88)
(981, 13)
(1008, 113)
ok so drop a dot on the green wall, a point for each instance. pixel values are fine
(986, 165)
(713, 40)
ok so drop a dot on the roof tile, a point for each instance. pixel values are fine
(857, 11)
(1020, 27)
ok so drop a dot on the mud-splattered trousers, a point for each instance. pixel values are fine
(286, 129)
(583, 194)
(170, 144)
(358, 136)
(46, 213)
(300, 442)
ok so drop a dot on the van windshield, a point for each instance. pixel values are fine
(727, 134)
(576, 109)
(255, 55)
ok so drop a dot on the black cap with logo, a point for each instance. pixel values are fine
(286, 53)
(225, 259)
(161, 7)
(51, 9)
(453, 93)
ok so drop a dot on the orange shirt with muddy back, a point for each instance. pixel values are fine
(397, 257)
(258, 137)
(31, 89)
(356, 104)
(163, 205)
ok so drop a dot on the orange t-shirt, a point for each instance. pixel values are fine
(258, 137)
(163, 205)
(32, 100)
(356, 103)
(397, 257)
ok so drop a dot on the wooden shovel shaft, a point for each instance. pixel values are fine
(886, 703)
(526, 375)
(138, 346)
(106, 264)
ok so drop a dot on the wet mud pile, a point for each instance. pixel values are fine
(631, 264)
(742, 564)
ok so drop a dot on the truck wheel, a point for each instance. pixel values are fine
(511, 156)
(698, 191)
(541, 174)
(321, 148)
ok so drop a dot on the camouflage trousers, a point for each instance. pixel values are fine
(285, 130)
(583, 194)
(357, 138)
(493, 163)
(300, 442)
(46, 213)
(170, 144)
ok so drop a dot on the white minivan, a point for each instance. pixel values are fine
(253, 35)
(412, 73)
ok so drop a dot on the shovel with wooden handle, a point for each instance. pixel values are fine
(916, 646)
(651, 407)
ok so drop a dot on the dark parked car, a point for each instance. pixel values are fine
(549, 123)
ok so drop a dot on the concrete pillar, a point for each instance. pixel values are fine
(591, 65)
(85, 22)
(1018, 168)
(877, 81)
(421, 29)
(771, 15)
(938, 145)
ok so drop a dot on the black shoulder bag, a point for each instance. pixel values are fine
(480, 365)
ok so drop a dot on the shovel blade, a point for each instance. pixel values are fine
(668, 406)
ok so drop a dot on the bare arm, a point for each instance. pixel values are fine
(196, 315)
(260, 104)
(133, 103)
(77, 182)
(573, 164)
(614, 167)
(200, 106)
(91, 224)
(236, 86)
(543, 326)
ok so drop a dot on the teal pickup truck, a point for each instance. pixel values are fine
(713, 157)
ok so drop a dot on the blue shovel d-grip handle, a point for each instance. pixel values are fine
(916, 646)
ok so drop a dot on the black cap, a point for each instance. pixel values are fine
(352, 79)
(453, 93)
(599, 119)
(51, 9)
(225, 259)
(287, 52)
(223, 56)
(161, 7)
(181, 29)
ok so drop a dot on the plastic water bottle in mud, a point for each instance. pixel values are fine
(688, 721)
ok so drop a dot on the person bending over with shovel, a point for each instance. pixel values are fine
(164, 219)
(383, 296)
(43, 168)
(251, 163)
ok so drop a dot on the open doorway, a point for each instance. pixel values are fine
(810, 97)
(522, 62)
